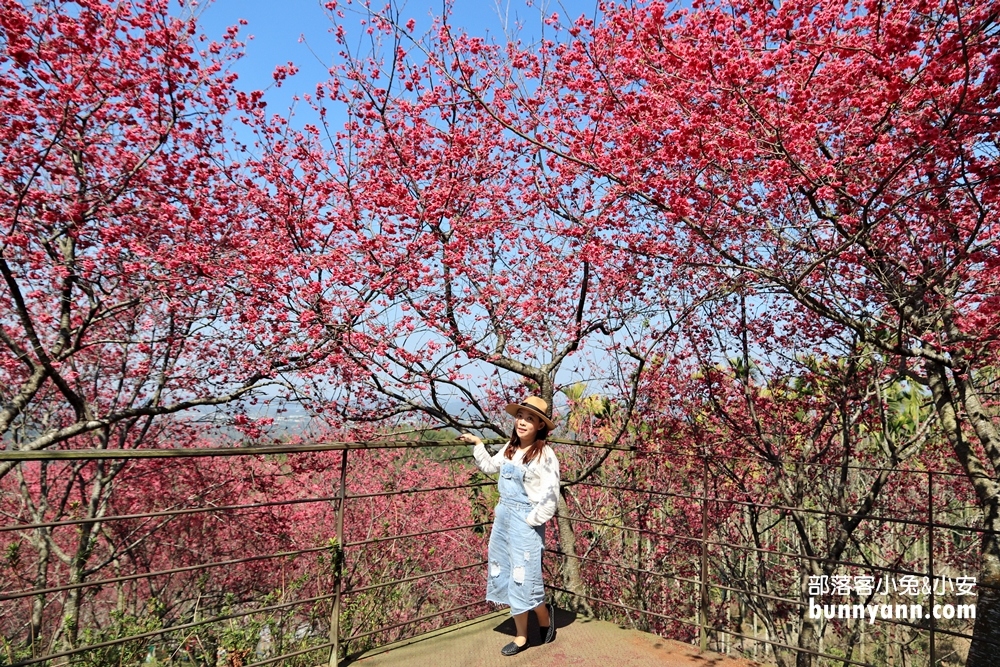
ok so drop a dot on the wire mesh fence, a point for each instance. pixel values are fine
(302, 555)
(722, 553)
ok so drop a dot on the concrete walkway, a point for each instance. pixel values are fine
(580, 641)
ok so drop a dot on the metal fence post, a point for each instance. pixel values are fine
(338, 568)
(930, 557)
(703, 612)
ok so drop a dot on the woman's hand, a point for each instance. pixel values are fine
(471, 439)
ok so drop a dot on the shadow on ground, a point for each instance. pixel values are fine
(563, 618)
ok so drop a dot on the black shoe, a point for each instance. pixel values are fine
(548, 632)
(513, 649)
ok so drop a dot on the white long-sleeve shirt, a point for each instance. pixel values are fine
(541, 478)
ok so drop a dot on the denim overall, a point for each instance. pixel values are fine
(514, 573)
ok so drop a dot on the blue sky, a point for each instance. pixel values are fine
(298, 31)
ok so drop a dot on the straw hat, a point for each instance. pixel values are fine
(535, 406)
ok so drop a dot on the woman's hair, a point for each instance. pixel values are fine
(536, 447)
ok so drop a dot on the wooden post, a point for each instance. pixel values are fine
(338, 566)
(930, 558)
(703, 613)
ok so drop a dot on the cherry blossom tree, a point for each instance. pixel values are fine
(795, 422)
(488, 274)
(149, 267)
(498, 219)
(146, 270)
(842, 153)
(845, 155)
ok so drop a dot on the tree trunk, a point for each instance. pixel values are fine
(808, 636)
(38, 602)
(987, 628)
(74, 597)
(986, 634)
(567, 537)
(571, 565)
(808, 640)
(71, 616)
(86, 541)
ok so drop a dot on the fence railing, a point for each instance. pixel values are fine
(684, 535)
(705, 526)
(334, 555)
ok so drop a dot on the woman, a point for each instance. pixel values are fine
(529, 489)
